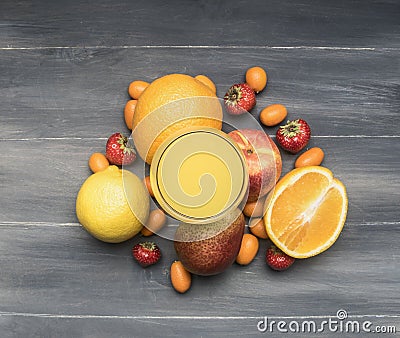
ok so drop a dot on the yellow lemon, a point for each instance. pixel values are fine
(112, 205)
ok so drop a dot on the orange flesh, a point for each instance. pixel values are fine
(306, 215)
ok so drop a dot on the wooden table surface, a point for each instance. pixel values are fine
(64, 71)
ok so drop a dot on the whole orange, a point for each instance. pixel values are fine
(168, 105)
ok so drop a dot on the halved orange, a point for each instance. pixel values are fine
(306, 212)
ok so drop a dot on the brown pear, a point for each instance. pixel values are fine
(209, 249)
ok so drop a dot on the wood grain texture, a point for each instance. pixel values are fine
(82, 93)
(273, 23)
(65, 68)
(163, 327)
(68, 274)
(40, 179)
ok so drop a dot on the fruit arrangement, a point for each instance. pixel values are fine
(301, 213)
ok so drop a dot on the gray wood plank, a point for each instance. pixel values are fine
(41, 178)
(58, 105)
(170, 327)
(62, 273)
(273, 23)
(82, 93)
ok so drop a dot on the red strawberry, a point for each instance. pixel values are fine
(239, 98)
(119, 151)
(146, 253)
(294, 135)
(277, 259)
